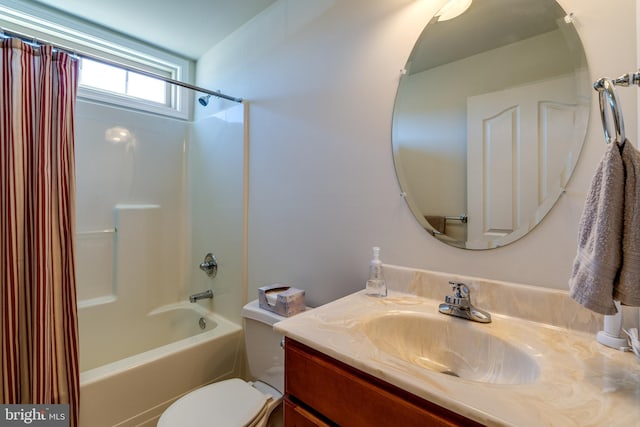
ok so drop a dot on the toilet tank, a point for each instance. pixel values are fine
(265, 355)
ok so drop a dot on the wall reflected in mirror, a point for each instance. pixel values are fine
(489, 120)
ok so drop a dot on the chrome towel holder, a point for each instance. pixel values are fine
(607, 95)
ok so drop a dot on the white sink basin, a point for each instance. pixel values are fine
(452, 346)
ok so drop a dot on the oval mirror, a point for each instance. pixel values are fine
(489, 119)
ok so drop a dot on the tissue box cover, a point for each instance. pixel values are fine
(289, 300)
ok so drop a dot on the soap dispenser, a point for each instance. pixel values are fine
(376, 285)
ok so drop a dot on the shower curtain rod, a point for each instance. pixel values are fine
(30, 40)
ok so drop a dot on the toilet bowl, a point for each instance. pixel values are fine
(235, 402)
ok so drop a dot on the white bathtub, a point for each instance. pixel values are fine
(131, 375)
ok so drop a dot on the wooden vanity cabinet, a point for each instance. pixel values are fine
(322, 391)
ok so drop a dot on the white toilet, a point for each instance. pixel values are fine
(234, 402)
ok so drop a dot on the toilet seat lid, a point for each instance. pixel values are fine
(226, 403)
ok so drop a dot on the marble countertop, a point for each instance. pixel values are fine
(580, 382)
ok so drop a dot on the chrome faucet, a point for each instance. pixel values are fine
(210, 265)
(201, 295)
(459, 305)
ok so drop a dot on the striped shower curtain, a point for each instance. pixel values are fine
(38, 316)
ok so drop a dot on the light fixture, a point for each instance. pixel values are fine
(453, 9)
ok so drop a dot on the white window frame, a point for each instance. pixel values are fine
(45, 25)
(172, 108)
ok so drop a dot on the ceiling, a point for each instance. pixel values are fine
(190, 28)
(186, 27)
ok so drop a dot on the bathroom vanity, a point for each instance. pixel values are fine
(397, 361)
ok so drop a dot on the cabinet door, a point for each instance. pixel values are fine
(348, 397)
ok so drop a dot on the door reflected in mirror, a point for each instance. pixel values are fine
(489, 120)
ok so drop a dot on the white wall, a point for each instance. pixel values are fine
(321, 77)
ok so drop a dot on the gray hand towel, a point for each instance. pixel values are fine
(599, 256)
(627, 287)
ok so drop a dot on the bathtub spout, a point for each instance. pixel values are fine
(201, 295)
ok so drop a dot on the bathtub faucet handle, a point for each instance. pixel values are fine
(210, 265)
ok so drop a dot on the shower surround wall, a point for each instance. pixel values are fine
(154, 195)
(130, 167)
(217, 200)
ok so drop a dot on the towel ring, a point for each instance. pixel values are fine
(607, 95)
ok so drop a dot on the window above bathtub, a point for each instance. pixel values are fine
(103, 82)
(107, 83)
(115, 80)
